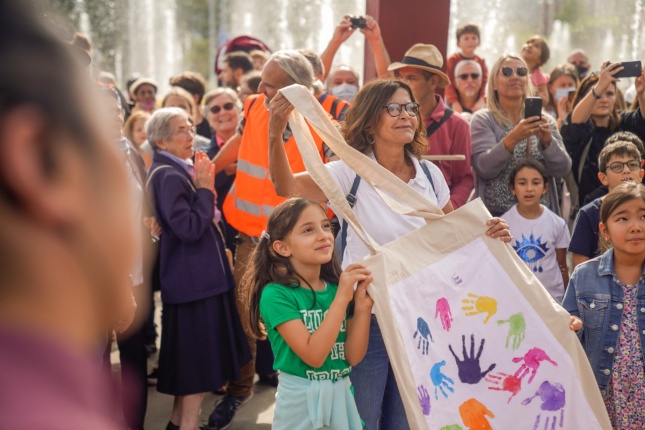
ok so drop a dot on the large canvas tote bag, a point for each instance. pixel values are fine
(474, 340)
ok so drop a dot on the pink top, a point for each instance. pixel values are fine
(451, 63)
(539, 78)
(453, 137)
(44, 385)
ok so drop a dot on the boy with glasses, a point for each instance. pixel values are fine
(468, 40)
(617, 163)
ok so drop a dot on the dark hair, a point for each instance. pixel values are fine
(618, 196)
(469, 28)
(545, 52)
(627, 136)
(192, 82)
(559, 71)
(584, 88)
(252, 79)
(267, 266)
(529, 163)
(364, 115)
(239, 60)
(616, 149)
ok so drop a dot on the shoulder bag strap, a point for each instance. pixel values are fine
(435, 125)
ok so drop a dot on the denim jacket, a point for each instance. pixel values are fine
(595, 296)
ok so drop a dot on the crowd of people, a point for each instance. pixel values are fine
(203, 196)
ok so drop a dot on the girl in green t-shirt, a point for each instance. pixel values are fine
(300, 299)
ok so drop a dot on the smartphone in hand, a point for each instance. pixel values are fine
(532, 107)
(631, 69)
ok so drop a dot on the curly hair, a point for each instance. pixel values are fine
(361, 118)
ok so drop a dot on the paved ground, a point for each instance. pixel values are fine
(256, 414)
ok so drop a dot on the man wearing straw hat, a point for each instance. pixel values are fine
(448, 132)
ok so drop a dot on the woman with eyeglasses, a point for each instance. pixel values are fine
(179, 97)
(203, 344)
(501, 136)
(384, 124)
(594, 118)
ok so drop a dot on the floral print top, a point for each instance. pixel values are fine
(625, 399)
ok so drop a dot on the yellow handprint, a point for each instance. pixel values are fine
(475, 305)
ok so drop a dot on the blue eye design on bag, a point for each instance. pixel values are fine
(531, 251)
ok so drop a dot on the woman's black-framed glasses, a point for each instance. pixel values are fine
(520, 71)
(618, 167)
(395, 109)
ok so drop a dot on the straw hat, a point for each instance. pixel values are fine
(424, 57)
(142, 81)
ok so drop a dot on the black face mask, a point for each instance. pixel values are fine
(582, 70)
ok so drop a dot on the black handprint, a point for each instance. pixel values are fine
(469, 368)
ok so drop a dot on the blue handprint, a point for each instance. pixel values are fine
(552, 396)
(440, 381)
(424, 331)
(469, 368)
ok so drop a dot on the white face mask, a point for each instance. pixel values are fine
(345, 92)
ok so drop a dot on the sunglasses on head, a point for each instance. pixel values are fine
(395, 109)
(520, 71)
(464, 76)
(217, 109)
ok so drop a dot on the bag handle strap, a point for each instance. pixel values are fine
(372, 173)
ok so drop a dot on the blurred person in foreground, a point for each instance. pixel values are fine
(66, 237)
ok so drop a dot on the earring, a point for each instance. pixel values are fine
(370, 138)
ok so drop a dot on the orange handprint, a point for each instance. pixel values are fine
(474, 414)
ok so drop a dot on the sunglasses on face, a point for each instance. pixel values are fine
(473, 76)
(520, 71)
(217, 109)
(618, 167)
(395, 109)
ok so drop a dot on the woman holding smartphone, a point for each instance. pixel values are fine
(501, 136)
(594, 118)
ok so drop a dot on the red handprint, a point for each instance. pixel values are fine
(532, 360)
(443, 312)
(504, 382)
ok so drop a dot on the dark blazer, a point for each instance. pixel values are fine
(192, 260)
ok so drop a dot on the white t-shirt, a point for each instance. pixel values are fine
(535, 241)
(383, 224)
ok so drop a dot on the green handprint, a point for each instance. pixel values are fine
(516, 330)
(474, 305)
(452, 427)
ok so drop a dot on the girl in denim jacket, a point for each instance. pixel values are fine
(606, 298)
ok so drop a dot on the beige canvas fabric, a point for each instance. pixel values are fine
(413, 253)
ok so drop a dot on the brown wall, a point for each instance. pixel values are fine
(406, 22)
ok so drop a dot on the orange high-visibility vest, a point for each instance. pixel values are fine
(252, 197)
(334, 106)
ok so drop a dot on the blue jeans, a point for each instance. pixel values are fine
(377, 395)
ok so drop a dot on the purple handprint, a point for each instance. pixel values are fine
(443, 312)
(552, 396)
(532, 360)
(469, 369)
(424, 399)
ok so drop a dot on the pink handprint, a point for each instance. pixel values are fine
(443, 312)
(504, 382)
(532, 360)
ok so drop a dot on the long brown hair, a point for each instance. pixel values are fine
(584, 88)
(364, 116)
(267, 266)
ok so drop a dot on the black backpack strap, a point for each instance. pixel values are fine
(426, 170)
(334, 109)
(435, 125)
(351, 200)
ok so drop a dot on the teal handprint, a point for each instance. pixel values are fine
(440, 381)
(517, 329)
